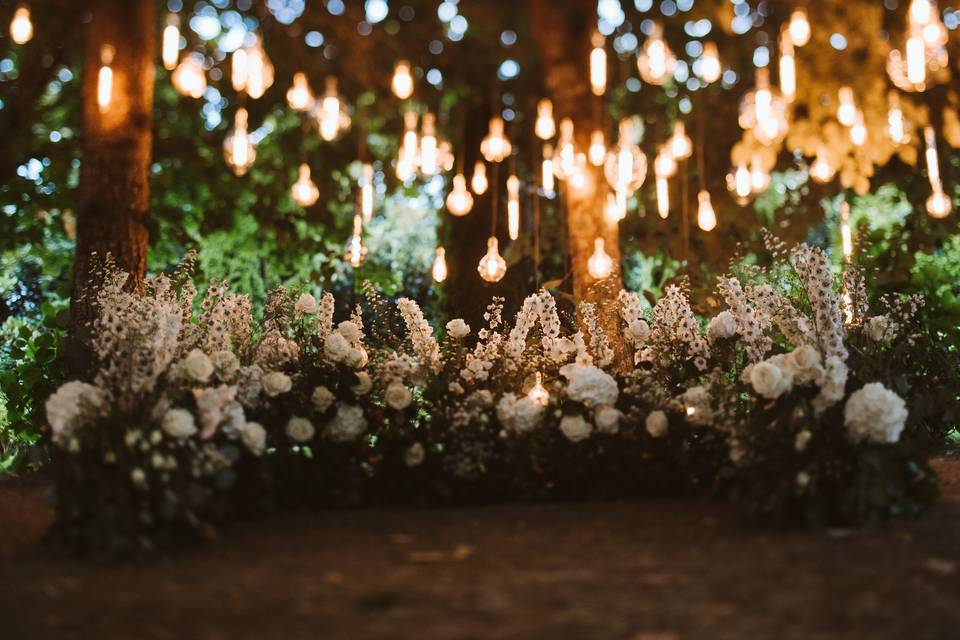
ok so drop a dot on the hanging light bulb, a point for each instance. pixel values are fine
(105, 78)
(597, 152)
(613, 212)
(858, 132)
(356, 251)
(479, 183)
(846, 237)
(189, 78)
(513, 207)
(921, 12)
(709, 66)
(21, 27)
(331, 115)
(916, 60)
(706, 217)
(238, 69)
(402, 83)
(544, 127)
(788, 68)
(759, 177)
(578, 177)
(938, 204)
(739, 183)
(821, 170)
(665, 164)
(847, 109)
(599, 265)
(626, 169)
(366, 192)
(445, 158)
(440, 265)
(663, 196)
(409, 147)
(681, 147)
(598, 66)
(299, 95)
(251, 71)
(896, 127)
(538, 392)
(459, 200)
(170, 49)
(656, 62)
(428, 145)
(763, 111)
(238, 149)
(933, 162)
(799, 27)
(566, 151)
(546, 171)
(495, 146)
(492, 266)
(304, 191)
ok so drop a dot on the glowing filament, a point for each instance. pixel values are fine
(251, 70)
(238, 149)
(495, 146)
(788, 70)
(938, 204)
(21, 27)
(916, 60)
(568, 157)
(799, 28)
(663, 196)
(847, 110)
(598, 150)
(614, 209)
(105, 78)
(402, 83)
(933, 163)
(366, 192)
(538, 393)
(513, 207)
(479, 182)
(299, 96)
(492, 266)
(599, 265)
(706, 217)
(759, 178)
(598, 66)
(710, 63)
(821, 170)
(459, 200)
(545, 128)
(681, 147)
(846, 237)
(304, 191)
(546, 171)
(896, 127)
(440, 265)
(171, 43)
(921, 12)
(189, 78)
(742, 182)
(656, 62)
(428, 145)
(858, 132)
(664, 165)
(330, 116)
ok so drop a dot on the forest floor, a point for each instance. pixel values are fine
(655, 570)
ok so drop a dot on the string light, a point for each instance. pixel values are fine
(709, 65)
(495, 147)
(428, 145)
(356, 251)
(896, 127)
(189, 78)
(544, 127)
(440, 265)
(706, 217)
(304, 190)
(21, 27)
(105, 78)
(170, 49)
(238, 149)
(788, 68)
(598, 66)
(366, 192)
(681, 147)
(656, 61)
(402, 82)
(331, 115)
(513, 207)
(299, 95)
(847, 109)
(479, 183)
(597, 152)
(916, 60)
(599, 265)
(492, 266)
(459, 200)
(538, 392)
(546, 171)
(799, 28)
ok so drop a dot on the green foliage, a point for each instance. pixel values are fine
(650, 274)
(937, 275)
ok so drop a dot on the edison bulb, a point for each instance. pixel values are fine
(858, 132)
(706, 217)
(21, 27)
(663, 196)
(598, 150)
(896, 126)
(546, 172)
(299, 96)
(709, 65)
(681, 147)
(492, 266)
(459, 200)
(799, 28)
(170, 48)
(741, 183)
(356, 251)
(189, 78)
(565, 164)
(304, 190)
(846, 236)
(821, 170)
(402, 83)
(626, 168)
(479, 182)
(614, 209)
(428, 145)
(598, 66)
(759, 177)
(938, 204)
(513, 207)
(538, 392)
(600, 265)
(664, 165)
(105, 78)
(788, 70)
(238, 149)
(495, 147)
(847, 110)
(331, 115)
(545, 127)
(440, 265)
(930, 156)
(366, 192)
(656, 62)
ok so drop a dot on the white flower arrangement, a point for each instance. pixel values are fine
(874, 414)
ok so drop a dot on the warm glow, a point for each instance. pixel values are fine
(171, 42)
(366, 192)
(189, 78)
(788, 70)
(299, 96)
(742, 182)
(459, 200)
(568, 157)
(546, 171)
(578, 178)
(495, 147)
(706, 217)
(409, 146)
(598, 149)
(105, 78)
(545, 127)
(251, 71)
(356, 251)
(513, 207)
(331, 116)
(538, 392)
(614, 209)
(238, 149)
(681, 147)
(896, 127)
(821, 170)
(846, 237)
(933, 162)
(916, 60)
(428, 145)
(921, 12)
(938, 204)
(600, 265)
(663, 197)
(847, 109)
(21, 28)
(656, 62)
(440, 265)
(710, 63)
(799, 28)
(402, 83)
(304, 190)
(664, 165)
(492, 266)
(858, 132)
(479, 183)
(759, 177)
(598, 67)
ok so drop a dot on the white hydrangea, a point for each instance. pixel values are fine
(458, 329)
(657, 424)
(519, 414)
(322, 398)
(590, 385)
(276, 383)
(254, 438)
(196, 366)
(397, 396)
(607, 419)
(73, 406)
(300, 429)
(875, 414)
(178, 424)
(769, 380)
(347, 425)
(575, 428)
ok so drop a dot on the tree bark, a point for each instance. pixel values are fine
(114, 193)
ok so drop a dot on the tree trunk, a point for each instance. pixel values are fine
(563, 31)
(114, 193)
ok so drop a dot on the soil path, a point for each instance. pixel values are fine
(658, 570)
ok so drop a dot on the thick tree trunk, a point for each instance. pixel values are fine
(114, 194)
(563, 31)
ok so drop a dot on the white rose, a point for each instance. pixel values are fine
(276, 383)
(356, 358)
(657, 424)
(197, 366)
(607, 419)
(300, 429)
(349, 330)
(397, 396)
(638, 330)
(179, 424)
(336, 347)
(306, 305)
(254, 438)
(575, 428)
(414, 455)
(768, 380)
(322, 398)
(874, 414)
(805, 357)
(722, 325)
(457, 328)
(347, 424)
(226, 363)
(364, 384)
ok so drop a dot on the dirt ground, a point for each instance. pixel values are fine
(658, 570)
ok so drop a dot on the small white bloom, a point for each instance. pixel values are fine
(805, 357)
(875, 414)
(336, 347)
(254, 438)
(519, 414)
(880, 328)
(276, 383)
(364, 384)
(638, 330)
(226, 364)
(72, 406)
(723, 325)
(607, 419)
(590, 385)
(322, 398)
(179, 424)
(575, 428)
(349, 330)
(657, 424)
(397, 396)
(769, 381)
(197, 366)
(347, 424)
(300, 429)
(458, 329)
(306, 304)
(414, 455)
